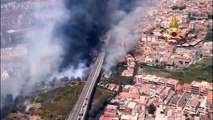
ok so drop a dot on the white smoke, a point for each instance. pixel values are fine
(43, 55)
(28, 105)
(124, 37)
(44, 52)
(73, 73)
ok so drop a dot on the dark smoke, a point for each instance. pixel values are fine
(88, 21)
(62, 45)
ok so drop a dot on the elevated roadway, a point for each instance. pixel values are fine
(81, 107)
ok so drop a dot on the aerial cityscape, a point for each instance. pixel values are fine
(106, 60)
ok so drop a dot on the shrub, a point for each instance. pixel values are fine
(57, 98)
(151, 109)
(38, 99)
(174, 7)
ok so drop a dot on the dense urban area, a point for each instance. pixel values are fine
(156, 81)
(171, 82)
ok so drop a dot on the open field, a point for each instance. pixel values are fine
(100, 100)
(62, 100)
(202, 70)
(55, 104)
(119, 80)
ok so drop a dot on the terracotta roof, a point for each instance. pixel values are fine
(182, 59)
(209, 96)
(172, 81)
(204, 117)
(179, 87)
(127, 95)
(186, 86)
(106, 118)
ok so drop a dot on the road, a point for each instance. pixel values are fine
(80, 109)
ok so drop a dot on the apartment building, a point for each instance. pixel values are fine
(172, 83)
(195, 88)
(200, 88)
(192, 105)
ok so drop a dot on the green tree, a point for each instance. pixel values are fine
(151, 109)
(130, 81)
(92, 113)
(38, 99)
(209, 36)
(186, 115)
(174, 7)
(103, 101)
(210, 16)
(60, 117)
(192, 31)
(57, 98)
(182, 7)
(78, 79)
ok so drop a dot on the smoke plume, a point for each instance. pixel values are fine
(43, 53)
(123, 36)
(63, 36)
(88, 21)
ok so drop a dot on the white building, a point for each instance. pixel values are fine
(202, 107)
